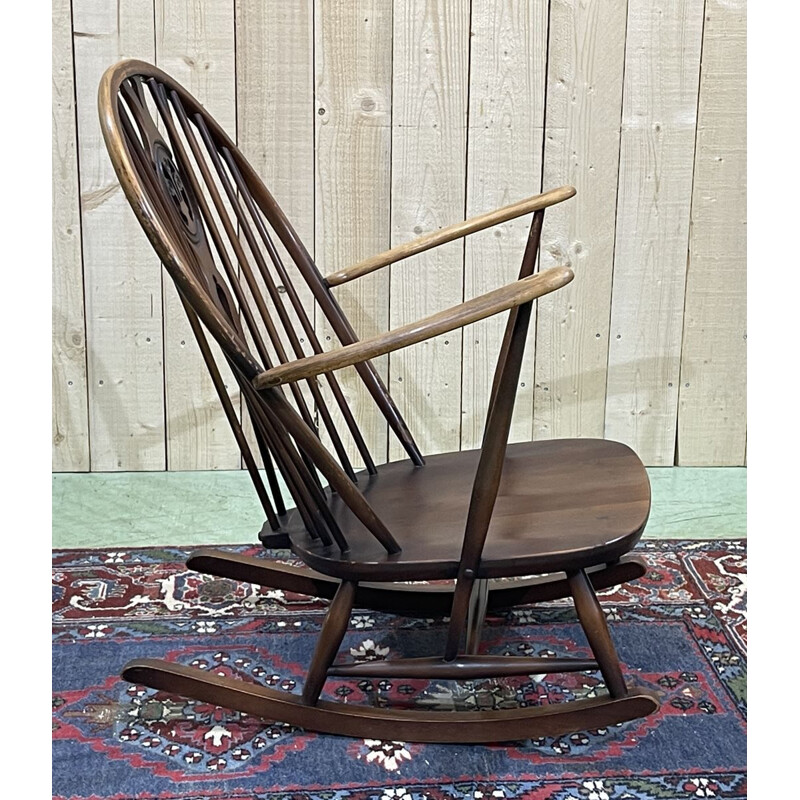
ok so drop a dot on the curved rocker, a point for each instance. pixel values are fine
(567, 512)
(465, 727)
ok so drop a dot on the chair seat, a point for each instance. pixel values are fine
(562, 504)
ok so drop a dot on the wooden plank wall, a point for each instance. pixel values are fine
(196, 44)
(122, 287)
(504, 163)
(375, 122)
(70, 392)
(659, 116)
(711, 402)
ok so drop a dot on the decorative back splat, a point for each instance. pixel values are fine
(213, 223)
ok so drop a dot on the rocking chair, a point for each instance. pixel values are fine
(565, 511)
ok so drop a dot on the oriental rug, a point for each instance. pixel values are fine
(680, 630)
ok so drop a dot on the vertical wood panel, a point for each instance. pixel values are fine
(506, 113)
(276, 119)
(275, 102)
(662, 66)
(429, 110)
(584, 103)
(122, 275)
(70, 402)
(353, 80)
(195, 44)
(372, 123)
(712, 409)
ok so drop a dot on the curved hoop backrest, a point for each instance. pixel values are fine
(211, 220)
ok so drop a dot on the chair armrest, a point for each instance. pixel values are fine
(514, 294)
(451, 232)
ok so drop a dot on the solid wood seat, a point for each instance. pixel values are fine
(565, 503)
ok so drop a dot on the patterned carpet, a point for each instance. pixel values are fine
(681, 631)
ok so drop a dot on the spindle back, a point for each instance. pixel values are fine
(217, 230)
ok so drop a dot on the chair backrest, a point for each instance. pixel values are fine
(213, 222)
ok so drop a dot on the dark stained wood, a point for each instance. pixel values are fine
(476, 615)
(233, 420)
(451, 232)
(526, 269)
(478, 308)
(561, 504)
(593, 622)
(412, 599)
(273, 539)
(542, 589)
(275, 296)
(191, 185)
(466, 667)
(563, 513)
(357, 504)
(297, 306)
(347, 719)
(303, 488)
(492, 459)
(329, 641)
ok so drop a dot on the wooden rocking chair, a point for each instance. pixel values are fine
(567, 511)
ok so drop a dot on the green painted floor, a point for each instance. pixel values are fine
(133, 509)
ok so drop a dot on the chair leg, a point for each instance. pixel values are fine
(330, 639)
(462, 596)
(594, 624)
(476, 616)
